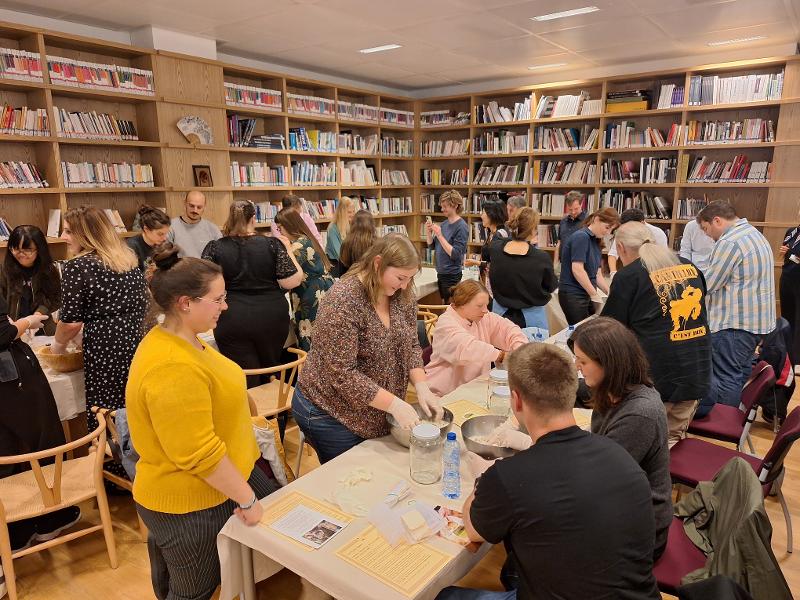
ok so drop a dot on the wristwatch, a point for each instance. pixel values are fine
(250, 504)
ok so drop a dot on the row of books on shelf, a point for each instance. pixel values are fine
(438, 177)
(715, 89)
(648, 169)
(268, 141)
(567, 105)
(737, 170)
(547, 235)
(562, 171)
(501, 174)
(689, 208)
(317, 105)
(554, 205)
(357, 172)
(354, 111)
(394, 177)
(383, 230)
(248, 95)
(670, 95)
(494, 113)
(393, 116)
(627, 100)
(654, 207)
(443, 118)
(625, 135)
(311, 140)
(241, 130)
(20, 64)
(20, 175)
(24, 121)
(98, 76)
(321, 209)
(93, 125)
(729, 132)
(565, 138)
(256, 174)
(5, 230)
(101, 174)
(354, 143)
(437, 148)
(503, 141)
(391, 146)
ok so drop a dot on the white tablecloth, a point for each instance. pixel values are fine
(322, 568)
(68, 388)
(425, 280)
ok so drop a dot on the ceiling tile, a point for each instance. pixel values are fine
(390, 14)
(463, 31)
(422, 81)
(140, 14)
(422, 58)
(377, 72)
(521, 14)
(621, 53)
(477, 73)
(775, 33)
(502, 50)
(316, 58)
(658, 6)
(598, 35)
(702, 19)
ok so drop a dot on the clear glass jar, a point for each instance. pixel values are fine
(426, 453)
(497, 377)
(500, 401)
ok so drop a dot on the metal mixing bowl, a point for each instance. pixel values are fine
(403, 435)
(483, 426)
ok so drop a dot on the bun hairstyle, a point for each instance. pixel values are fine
(523, 224)
(152, 218)
(175, 277)
(239, 216)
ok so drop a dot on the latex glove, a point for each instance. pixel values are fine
(477, 465)
(58, 348)
(251, 516)
(403, 413)
(36, 321)
(510, 438)
(431, 403)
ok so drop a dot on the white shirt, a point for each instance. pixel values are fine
(659, 237)
(696, 246)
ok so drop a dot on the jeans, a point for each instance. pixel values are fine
(576, 307)
(445, 281)
(731, 359)
(458, 593)
(325, 434)
(535, 316)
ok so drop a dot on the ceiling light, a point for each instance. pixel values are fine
(380, 48)
(548, 66)
(738, 40)
(566, 13)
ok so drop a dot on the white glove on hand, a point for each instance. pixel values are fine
(510, 438)
(404, 413)
(476, 464)
(36, 321)
(430, 402)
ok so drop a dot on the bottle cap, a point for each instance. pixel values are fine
(501, 390)
(451, 436)
(426, 432)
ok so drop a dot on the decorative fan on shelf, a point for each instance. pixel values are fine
(196, 130)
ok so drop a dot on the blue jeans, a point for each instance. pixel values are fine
(458, 593)
(731, 362)
(535, 316)
(325, 434)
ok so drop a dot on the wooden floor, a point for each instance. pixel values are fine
(80, 569)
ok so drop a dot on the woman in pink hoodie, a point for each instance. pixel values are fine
(467, 338)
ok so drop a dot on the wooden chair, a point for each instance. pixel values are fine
(125, 484)
(436, 309)
(273, 398)
(45, 489)
(428, 319)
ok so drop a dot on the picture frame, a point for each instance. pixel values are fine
(202, 176)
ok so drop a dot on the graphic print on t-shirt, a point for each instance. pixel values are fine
(683, 302)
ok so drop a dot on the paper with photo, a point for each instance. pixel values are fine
(308, 526)
(288, 502)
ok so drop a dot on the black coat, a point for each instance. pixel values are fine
(28, 415)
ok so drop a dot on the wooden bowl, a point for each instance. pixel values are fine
(63, 363)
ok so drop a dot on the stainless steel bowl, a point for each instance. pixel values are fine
(483, 426)
(403, 436)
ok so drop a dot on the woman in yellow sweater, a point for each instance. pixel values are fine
(190, 423)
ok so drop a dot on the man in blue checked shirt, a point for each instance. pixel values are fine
(740, 301)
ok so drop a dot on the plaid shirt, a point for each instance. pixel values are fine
(741, 281)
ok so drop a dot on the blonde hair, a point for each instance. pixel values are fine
(524, 224)
(341, 219)
(239, 215)
(636, 237)
(453, 198)
(93, 232)
(395, 250)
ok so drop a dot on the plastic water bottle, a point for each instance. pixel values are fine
(451, 480)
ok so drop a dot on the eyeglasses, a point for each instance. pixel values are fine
(219, 300)
(24, 251)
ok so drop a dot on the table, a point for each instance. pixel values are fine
(425, 280)
(250, 554)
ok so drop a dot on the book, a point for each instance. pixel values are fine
(435, 148)
(714, 89)
(257, 174)
(100, 76)
(93, 125)
(653, 206)
(355, 143)
(20, 64)
(503, 141)
(306, 173)
(494, 113)
(54, 223)
(391, 146)
(563, 171)
(116, 220)
(111, 175)
(24, 121)
(354, 111)
(20, 175)
(730, 132)
(248, 95)
(402, 118)
(443, 118)
(317, 105)
(394, 177)
(357, 173)
(565, 138)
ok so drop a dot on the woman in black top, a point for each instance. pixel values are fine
(256, 269)
(493, 219)
(29, 280)
(155, 228)
(790, 287)
(522, 276)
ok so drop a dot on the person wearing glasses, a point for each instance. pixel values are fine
(190, 423)
(29, 279)
(257, 269)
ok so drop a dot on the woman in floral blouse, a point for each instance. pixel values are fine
(316, 273)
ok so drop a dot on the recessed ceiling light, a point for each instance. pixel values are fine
(738, 40)
(566, 13)
(380, 48)
(548, 66)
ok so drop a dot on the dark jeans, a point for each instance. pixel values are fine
(445, 281)
(790, 306)
(576, 307)
(459, 593)
(325, 434)
(731, 359)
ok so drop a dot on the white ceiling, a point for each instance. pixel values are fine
(446, 42)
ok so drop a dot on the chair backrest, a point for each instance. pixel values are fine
(772, 464)
(436, 309)
(286, 374)
(429, 320)
(427, 352)
(755, 390)
(51, 493)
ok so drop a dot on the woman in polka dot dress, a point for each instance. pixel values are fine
(105, 292)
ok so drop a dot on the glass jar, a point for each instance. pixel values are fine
(426, 453)
(500, 401)
(497, 377)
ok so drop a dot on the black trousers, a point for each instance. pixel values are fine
(576, 307)
(790, 306)
(253, 330)
(445, 281)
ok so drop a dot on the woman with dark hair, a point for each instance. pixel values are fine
(493, 219)
(155, 229)
(29, 279)
(315, 266)
(626, 407)
(359, 239)
(257, 269)
(190, 423)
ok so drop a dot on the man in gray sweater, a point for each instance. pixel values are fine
(191, 231)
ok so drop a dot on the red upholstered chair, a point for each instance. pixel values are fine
(693, 460)
(680, 557)
(731, 423)
(427, 352)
